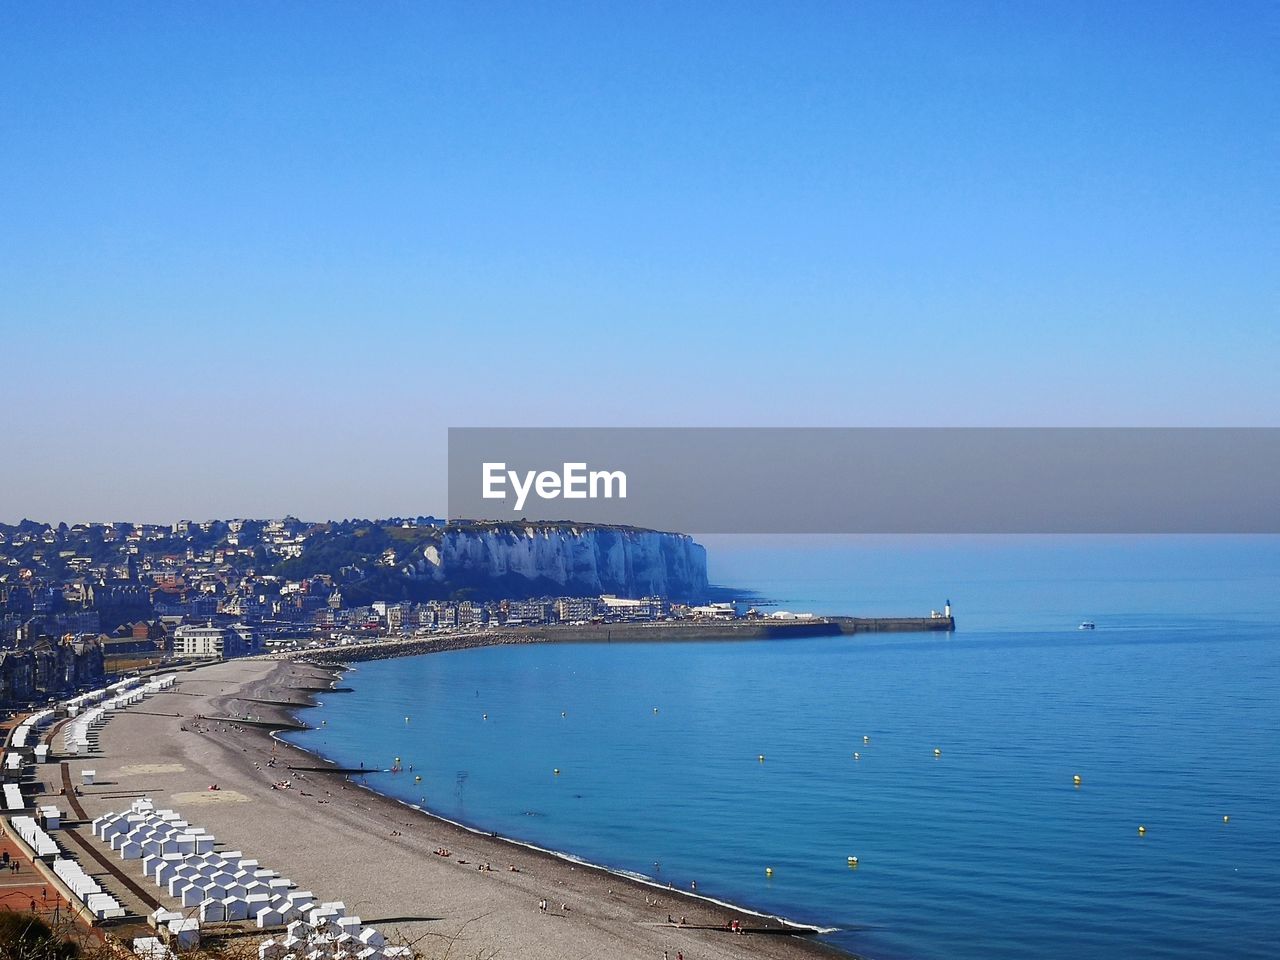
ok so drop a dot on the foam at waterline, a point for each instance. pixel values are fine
(640, 878)
(576, 860)
(806, 928)
(612, 871)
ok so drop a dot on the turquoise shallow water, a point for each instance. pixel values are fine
(1168, 711)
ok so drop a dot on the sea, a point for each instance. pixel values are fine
(944, 763)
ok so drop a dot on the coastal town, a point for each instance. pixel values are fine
(80, 602)
(90, 601)
(144, 674)
(639, 481)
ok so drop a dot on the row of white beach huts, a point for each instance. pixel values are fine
(81, 734)
(210, 886)
(226, 886)
(87, 712)
(87, 890)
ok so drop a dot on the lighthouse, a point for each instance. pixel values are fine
(946, 611)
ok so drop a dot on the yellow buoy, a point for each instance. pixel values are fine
(1142, 831)
(937, 752)
(417, 779)
(1076, 779)
(768, 871)
(1226, 819)
(853, 861)
(397, 759)
(866, 739)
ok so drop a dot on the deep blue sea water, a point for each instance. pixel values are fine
(1168, 711)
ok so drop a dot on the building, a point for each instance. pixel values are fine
(49, 667)
(470, 614)
(445, 615)
(714, 611)
(530, 612)
(205, 642)
(245, 639)
(128, 644)
(398, 616)
(625, 608)
(575, 609)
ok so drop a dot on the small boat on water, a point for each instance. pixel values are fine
(1086, 625)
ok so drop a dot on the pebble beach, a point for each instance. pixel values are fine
(380, 857)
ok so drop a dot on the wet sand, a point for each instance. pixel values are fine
(344, 842)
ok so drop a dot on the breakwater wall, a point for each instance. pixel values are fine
(895, 624)
(667, 631)
(389, 649)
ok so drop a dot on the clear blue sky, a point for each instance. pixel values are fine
(256, 257)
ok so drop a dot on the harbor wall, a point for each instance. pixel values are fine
(667, 631)
(895, 624)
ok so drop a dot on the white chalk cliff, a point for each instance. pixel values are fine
(583, 560)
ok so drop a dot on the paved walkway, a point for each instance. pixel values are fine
(24, 890)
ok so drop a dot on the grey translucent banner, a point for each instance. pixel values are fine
(873, 480)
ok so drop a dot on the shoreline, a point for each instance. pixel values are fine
(347, 841)
(800, 928)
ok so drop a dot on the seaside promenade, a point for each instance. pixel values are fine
(25, 889)
(378, 856)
